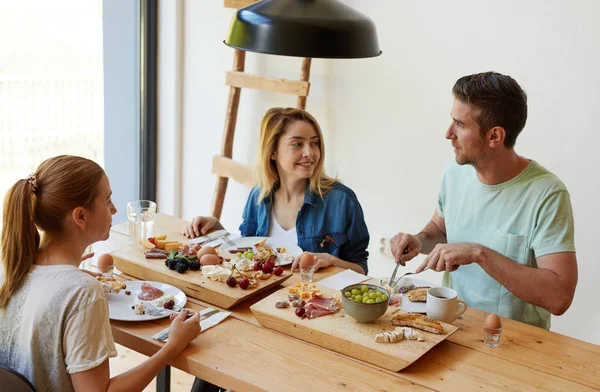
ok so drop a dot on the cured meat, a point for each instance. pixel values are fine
(156, 253)
(149, 292)
(320, 306)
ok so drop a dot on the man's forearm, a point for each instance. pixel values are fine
(537, 286)
(430, 236)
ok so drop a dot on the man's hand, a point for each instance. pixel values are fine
(200, 225)
(322, 260)
(405, 247)
(448, 257)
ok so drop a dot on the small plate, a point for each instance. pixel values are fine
(119, 305)
(243, 242)
(407, 305)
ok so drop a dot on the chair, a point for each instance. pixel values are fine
(13, 381)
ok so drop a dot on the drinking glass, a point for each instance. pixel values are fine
(141, 219)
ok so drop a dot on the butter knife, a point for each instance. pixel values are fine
(391, 282)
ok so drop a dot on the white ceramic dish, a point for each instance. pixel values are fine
(119, 305)
(242, 242)
(407, 305)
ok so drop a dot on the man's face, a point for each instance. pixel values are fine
(469, 145)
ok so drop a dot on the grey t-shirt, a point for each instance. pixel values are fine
(55, 324)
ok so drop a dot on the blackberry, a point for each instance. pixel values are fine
(194, 265)
(179, 259)
(171, 264)
(181, 267)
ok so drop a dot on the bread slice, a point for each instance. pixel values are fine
(418, 294)
(418, 321)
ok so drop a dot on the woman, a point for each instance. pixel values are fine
(295, 200)
(53, 317)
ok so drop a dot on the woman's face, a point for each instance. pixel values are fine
(298, 151)
(102, 210)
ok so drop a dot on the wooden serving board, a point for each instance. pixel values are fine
(131, 260)
(341, 333)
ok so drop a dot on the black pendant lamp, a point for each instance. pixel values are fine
(304, 28)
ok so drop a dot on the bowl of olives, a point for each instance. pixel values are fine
(365, 302)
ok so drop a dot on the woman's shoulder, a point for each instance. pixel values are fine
(340, 192)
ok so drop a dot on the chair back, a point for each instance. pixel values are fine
(13, 381)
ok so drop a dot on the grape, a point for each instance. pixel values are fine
(300, 312)
(239, 254)
(384, 297)
(372, 296)
(371, 301)
(347, 294)
(365, 299)
(245, 254)
(169, 304)
(378, 300)
(270, 262)
(257, 266)
(355, 292)
(250, 255)
(364, 288)
(378, 293)
(244, 283)
(231, 282)
(278, 271)
(358, 298)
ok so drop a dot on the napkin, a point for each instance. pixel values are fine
(343, 279)
(210, 322)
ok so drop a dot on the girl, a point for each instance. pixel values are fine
(295, 200)
(53, 317)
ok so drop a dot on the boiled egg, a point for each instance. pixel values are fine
(492, 322)
(105, 262)
(210, 259)
(307, 260)
(206, 250)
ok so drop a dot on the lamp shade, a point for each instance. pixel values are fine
(304, 28)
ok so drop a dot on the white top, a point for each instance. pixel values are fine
(55, 324)
(279, 234)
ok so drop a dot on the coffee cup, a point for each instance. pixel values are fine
(443, 304)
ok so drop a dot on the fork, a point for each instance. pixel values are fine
(228, 240)
(152, 310)
(395, 283)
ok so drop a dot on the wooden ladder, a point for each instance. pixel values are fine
(223, 165)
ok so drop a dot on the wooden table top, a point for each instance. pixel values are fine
(241, 355)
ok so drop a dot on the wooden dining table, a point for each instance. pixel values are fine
(241, 355)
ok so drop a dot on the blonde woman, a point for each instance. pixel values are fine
(53, 317)
(295, 200)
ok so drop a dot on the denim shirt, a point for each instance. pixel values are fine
(338, 215)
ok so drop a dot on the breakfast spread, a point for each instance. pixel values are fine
(316, 306)
(418, 321)
(304, 290)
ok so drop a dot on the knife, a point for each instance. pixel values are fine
(209, 237)
(391, 281)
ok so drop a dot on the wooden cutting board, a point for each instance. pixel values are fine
(131, 260)
(341, 333)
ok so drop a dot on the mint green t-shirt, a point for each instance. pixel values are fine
(526, 217)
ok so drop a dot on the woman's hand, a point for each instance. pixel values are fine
(183, 331)
(201, 225)
(85, 257)
(322, 260)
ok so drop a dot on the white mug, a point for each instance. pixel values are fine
(443, 304)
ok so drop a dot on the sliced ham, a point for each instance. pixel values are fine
(149, 292)
(320, 306)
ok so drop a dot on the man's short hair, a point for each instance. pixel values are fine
(501, 100)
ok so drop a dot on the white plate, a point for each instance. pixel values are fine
(407, 305)
(242, 242)
(119, 305)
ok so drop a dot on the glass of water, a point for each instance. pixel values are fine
(141, 219)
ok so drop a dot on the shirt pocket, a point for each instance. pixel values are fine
(330, 243)
(513, 246)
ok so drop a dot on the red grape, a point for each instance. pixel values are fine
(169, 304)
(270, 262)
(257, 266)
(267, 269)
(300, 312)
(278, 271)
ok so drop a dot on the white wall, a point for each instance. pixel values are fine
(384, 118)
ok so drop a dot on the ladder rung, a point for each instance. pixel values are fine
(237, 4)
(228, 168)
(244, 80)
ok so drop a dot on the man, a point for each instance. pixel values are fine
(503, 229)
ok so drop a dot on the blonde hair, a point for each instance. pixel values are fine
(272, 126)
(59, 185)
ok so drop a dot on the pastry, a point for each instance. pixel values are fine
(418, 321)
(418, 294)
(111, 285)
